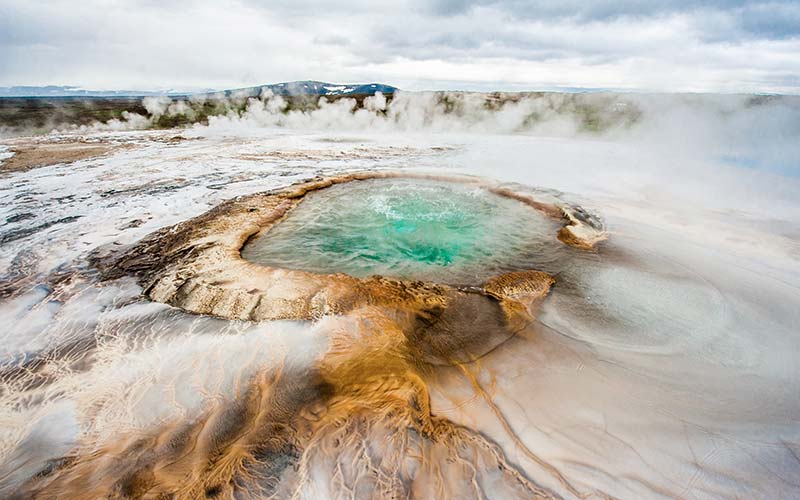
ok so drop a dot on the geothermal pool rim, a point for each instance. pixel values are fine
(197, 265)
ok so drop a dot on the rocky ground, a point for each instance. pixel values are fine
(661, 362)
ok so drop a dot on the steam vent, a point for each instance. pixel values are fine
(413, 277)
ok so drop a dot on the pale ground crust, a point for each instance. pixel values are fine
(351, 416)
(28, 156)
(43, 151)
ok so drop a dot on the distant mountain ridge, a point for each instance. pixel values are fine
(307, 87)
(311, 87)
(72, 91)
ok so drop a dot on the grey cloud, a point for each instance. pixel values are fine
(485, 31)
(598, 10)
(116, 43)
(771, 20)
(337, 40)
(486, 36)
(751, 18)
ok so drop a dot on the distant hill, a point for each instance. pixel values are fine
(310, 87)
(285, 89)
(70, 91)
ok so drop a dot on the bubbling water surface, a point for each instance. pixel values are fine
(406, 228)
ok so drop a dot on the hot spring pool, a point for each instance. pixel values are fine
(428, 230)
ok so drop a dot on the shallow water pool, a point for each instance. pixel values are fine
(447, 232)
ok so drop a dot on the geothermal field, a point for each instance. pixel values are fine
(400, 295)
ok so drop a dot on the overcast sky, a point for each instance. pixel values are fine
(664, 45)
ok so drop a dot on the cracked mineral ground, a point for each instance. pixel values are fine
(442, 296)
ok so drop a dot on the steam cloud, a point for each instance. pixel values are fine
(748, 130)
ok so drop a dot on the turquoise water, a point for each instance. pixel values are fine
(406, 228)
